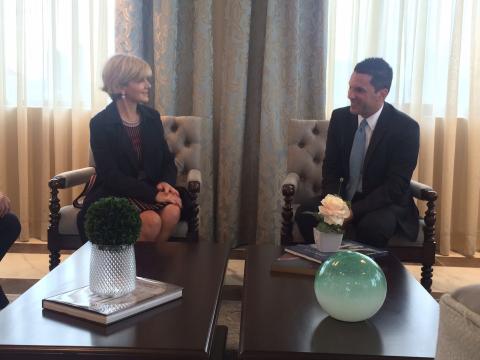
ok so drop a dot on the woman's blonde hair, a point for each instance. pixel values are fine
(120, 69)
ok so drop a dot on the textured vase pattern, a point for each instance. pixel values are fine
(350, 286)
(112, 270)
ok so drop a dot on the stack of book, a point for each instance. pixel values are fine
(304, 259)
(84, 304)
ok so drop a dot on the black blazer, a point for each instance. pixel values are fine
(388, 166)
(119, 172)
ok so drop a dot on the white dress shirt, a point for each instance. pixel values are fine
(371, 123)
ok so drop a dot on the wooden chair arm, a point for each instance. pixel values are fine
(194, 181)
(426, 193)
(71, 178)
(63, 180)
(289, 186)
(422, 191)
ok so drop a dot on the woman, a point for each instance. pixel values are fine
(131, 155)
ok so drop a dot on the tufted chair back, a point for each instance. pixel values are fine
(306, 150)
(183, 138)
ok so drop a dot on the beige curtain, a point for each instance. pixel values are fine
(51, 55)
(434, 49)
(246, 67)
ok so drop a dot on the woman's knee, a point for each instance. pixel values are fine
(151, 224)
(170, 214)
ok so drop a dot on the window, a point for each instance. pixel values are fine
(428, 44)
(52, 50)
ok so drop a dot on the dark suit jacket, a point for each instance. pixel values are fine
(388, 165)
(119, 172)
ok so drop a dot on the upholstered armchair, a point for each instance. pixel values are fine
(182, 134)
(306, 149)
(459, 327)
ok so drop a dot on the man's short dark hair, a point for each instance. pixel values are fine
(379, 70)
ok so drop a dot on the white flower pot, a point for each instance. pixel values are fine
(327, 242)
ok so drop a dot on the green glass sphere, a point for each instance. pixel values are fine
(350, 286)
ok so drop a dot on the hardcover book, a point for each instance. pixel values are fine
(310, 251)
(289, 263)
(84, 304)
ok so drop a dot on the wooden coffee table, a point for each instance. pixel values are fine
(182, 329)
(281, 318)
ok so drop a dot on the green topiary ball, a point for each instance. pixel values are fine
(112, 221)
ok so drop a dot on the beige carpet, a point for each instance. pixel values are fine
(229, 316)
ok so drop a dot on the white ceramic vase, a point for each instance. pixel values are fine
(112, 270)
(327, 242)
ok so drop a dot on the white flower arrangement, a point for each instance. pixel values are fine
(332, 213)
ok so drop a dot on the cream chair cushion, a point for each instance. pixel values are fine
(68, 220)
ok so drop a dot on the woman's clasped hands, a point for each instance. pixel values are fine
(167, 193)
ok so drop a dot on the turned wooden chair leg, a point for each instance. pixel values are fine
(54, 259)
(429, 240)
(426, 280)
(54, 207)
(287, 215)
(193, 222)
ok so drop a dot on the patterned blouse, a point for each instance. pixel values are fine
(133, 132)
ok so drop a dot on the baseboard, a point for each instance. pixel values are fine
(28, 248)
(16, 286)
(19, 247)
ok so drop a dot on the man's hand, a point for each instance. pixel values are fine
(163, 197)
(167, 188)
(4, 204)
(349, 218)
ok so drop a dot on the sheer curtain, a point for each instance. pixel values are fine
(434, 50)
(51, 55)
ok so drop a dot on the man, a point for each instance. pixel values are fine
(370, 155)
(9, 231)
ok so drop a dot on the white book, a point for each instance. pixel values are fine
(84, 304)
